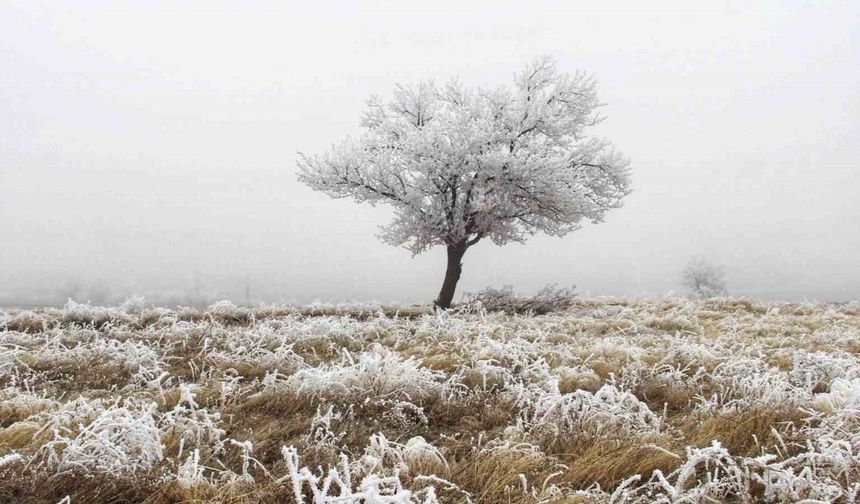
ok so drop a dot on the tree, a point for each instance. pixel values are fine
(460, 165)
(706, 280)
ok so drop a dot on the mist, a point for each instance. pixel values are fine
(151, 149)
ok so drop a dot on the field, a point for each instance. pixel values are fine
(612, 401)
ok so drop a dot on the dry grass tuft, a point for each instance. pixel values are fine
(742, 433)
(494, 475)
(19, 435)
(26, 322)
(610, 463)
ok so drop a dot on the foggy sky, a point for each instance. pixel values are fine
(152, 147)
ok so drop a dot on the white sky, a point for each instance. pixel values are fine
(146, 144)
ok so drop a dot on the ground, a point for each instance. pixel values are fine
(611, 401)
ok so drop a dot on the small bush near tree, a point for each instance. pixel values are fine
(551, 298)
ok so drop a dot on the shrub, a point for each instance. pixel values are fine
(379, 373)
(549, 299)
(121, 439)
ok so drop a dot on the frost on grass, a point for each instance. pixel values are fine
(378, 373)
(120, 439)
(191, 424)
(607, 413)
(608, 401)
(373, 478)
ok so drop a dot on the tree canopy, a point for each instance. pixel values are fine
(459, 165)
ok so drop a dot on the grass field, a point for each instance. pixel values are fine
(612, 401)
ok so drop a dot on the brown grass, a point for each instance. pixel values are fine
(609, 463)
(741, 434)
(582, 350)
(494, 476)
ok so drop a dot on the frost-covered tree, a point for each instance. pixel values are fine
(460, 165)
(706, 280)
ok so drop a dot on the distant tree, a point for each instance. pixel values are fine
(459, 165)
(706, 280)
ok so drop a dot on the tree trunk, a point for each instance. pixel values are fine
(452, 275)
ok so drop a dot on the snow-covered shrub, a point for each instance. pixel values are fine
(512, 361)
(708, 474)
(379, 373)
(134, 360)
(121, 439)
(486, 374)
(550, 298)
(843, 394)
(133, 305)
(607, 413)
(823, 472)
(85, 314)
(262, 347)
(70, 415)
(747, 383)
(813, 370)
(226, 311)
(10, 355)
